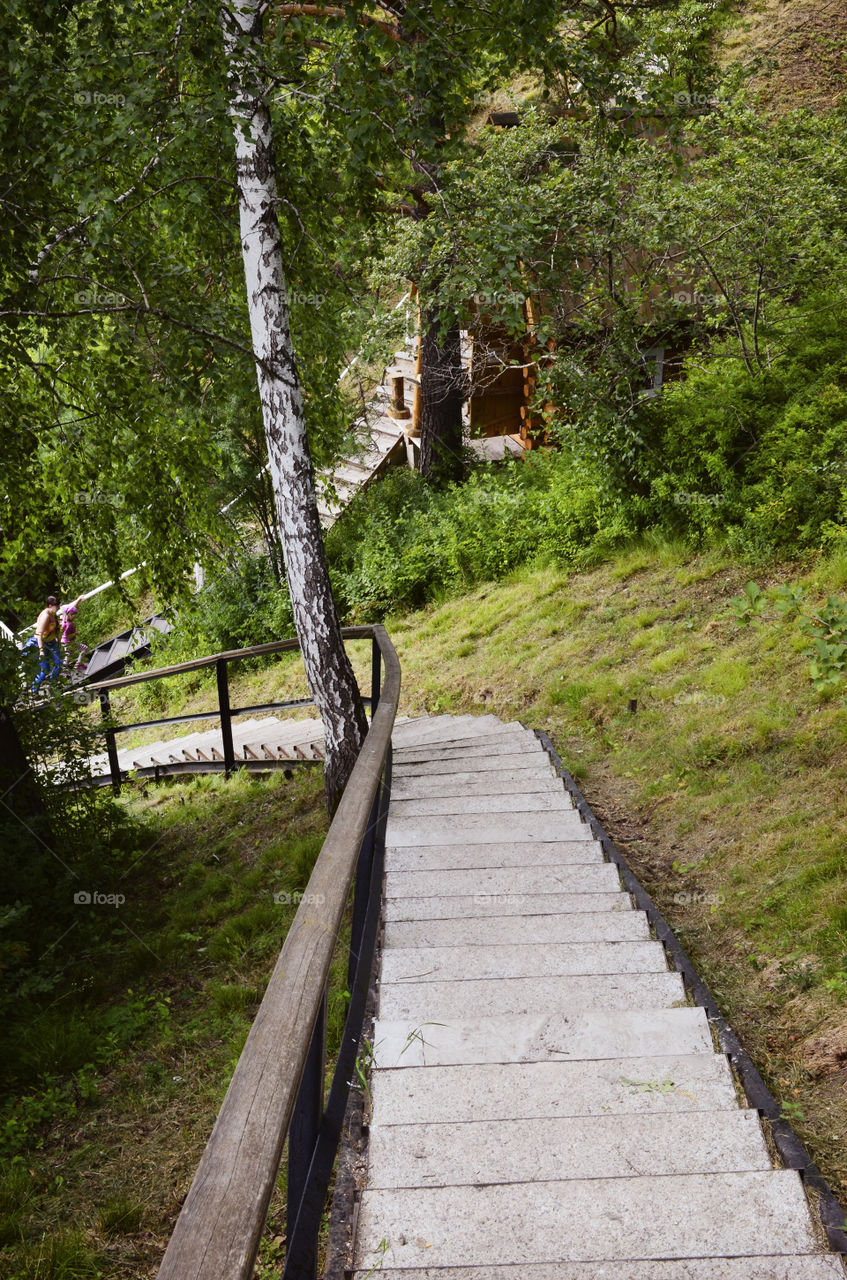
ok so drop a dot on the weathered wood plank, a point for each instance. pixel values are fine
(221, 1223)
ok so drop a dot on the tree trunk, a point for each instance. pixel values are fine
(328, 670)
(442, 385)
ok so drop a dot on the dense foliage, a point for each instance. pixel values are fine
(59, 839)
(715, 246)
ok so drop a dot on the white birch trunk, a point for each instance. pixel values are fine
(328, 668)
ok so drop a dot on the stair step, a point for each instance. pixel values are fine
(352, 472)
(711, 1215)
(764, 1267)
(576, 926)
(519, 782)
(421, 764)
(496, 857)
(662, 1083)
(488, 746)
(545, 801)
(454, 1001)
(481, 906)
(507, 882)
(427, 729)
(580, 1035)
(528, 959)
(464, 729)
(548, 1148)
(480, 828)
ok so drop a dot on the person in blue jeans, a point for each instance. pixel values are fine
(47, 639)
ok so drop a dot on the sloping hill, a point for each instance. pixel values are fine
(796, 51)
(725, 786)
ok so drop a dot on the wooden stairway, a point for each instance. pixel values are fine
(547, 1103)
(256, 741)
(383, 441)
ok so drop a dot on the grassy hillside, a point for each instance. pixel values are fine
(725, 788)
(115, 1075)
(796, 54)
(728, 781)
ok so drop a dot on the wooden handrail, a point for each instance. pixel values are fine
(218, 1232)
(228, 655)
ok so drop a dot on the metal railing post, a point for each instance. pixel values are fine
(364, 863)
(361, 895)
(304, 1235)
(303, 1134)
(111, 744)
(226, 717)
(376, 676)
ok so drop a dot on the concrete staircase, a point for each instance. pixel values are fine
(256, 740)
(546, 1103)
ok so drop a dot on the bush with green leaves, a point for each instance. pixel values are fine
(240, 606)
(751, 605)
(758, 457)
(826, 630)
(58, 836)
(720, 241)
(402, 544)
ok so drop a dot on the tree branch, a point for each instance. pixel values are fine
(132, 309)
(74, 230)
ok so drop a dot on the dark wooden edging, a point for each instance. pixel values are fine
(218, 1232)
(792, 1152)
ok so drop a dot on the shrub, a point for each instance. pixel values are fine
(758, 456)
(402, 544)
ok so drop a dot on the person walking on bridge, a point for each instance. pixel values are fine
(47, 639)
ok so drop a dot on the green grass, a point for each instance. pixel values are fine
(119, 1216)
(123, 1066)
(727, 782)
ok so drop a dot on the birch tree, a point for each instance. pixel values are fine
(328, 670)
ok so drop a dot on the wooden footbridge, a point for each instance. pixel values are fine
(552, 1095)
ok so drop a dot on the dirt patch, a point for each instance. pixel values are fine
(796, 54)
(825, 1055)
